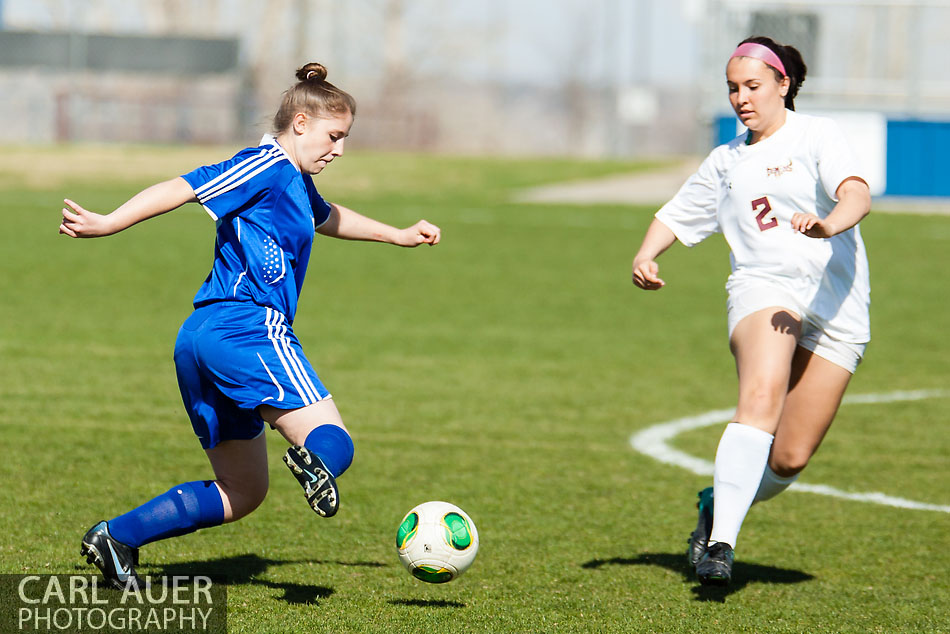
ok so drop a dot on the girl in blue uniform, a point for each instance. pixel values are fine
(238, 361)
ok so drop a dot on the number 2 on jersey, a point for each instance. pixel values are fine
(763, 204)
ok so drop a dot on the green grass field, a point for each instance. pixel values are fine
(504, 371)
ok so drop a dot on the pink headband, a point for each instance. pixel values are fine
(760, 52)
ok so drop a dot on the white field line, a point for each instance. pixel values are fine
(654, 442)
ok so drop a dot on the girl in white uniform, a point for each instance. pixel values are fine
(787, 196)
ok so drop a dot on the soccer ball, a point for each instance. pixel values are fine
(437, 542)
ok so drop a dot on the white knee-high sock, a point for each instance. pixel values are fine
(740, 461)
(771, 485)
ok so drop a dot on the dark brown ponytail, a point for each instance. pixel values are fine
(792, 60)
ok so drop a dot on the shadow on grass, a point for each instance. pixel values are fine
(743, 573)
(423, 603)
(244, 570)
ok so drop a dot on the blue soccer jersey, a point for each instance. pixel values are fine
(266, 212)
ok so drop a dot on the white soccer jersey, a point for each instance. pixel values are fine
(750, 192)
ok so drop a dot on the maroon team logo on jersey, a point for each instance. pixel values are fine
(778, 171)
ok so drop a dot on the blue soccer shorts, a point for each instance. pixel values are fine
(232, 357)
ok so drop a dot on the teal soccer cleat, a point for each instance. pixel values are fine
(715, 567)
(700, 537)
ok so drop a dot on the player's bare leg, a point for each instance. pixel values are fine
(321, 450)
(816, 389)
(763, 344)
(240, 471)
(296, 424)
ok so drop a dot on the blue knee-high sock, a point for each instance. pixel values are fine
(333, 445)
(181, 510)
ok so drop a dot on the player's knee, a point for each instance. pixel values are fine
(242, 506)
(788, 462)
(761, 402)
(244, 496)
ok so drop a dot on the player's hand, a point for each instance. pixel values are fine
(78, 222)
(422, 232)
(812, 226)
(645, 275)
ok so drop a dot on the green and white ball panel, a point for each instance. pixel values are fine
(433, 572)
(407, 529)
(458, 531)
(436, 542)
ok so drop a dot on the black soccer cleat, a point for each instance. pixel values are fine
(715, 567)
(317, 481)
(700, 537)
(114, 559)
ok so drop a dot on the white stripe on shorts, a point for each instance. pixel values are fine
(306, 377)
(271, 321)
(280, 390)
(234, 290)
(295, 362)
(275, 332)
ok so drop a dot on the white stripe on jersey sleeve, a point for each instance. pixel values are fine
(226, 180)
(229, 173)
(243, 177)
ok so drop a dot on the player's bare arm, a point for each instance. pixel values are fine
(854, 203)
(347, 224)
(658, 239)
(78, 222)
